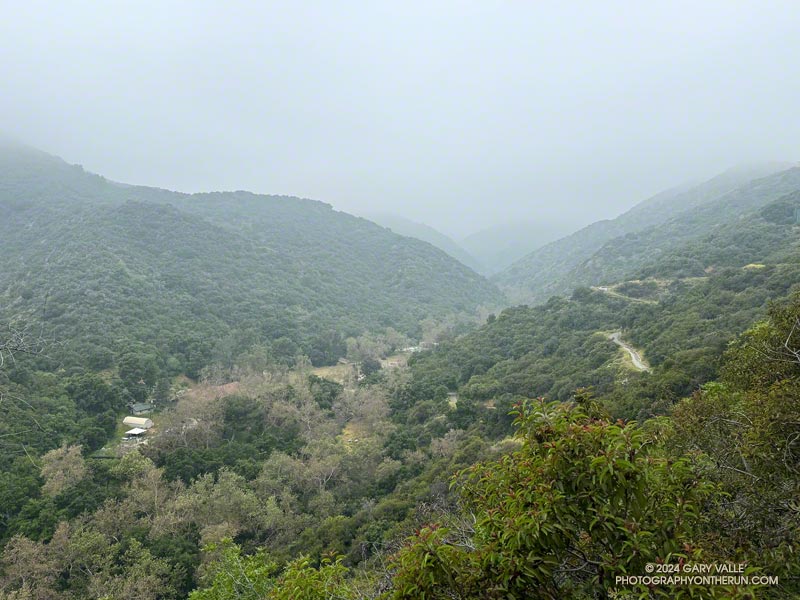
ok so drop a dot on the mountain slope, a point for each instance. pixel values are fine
(682, 319)
(560, 266)
(626, 255)
(109, 264)
(420, 231)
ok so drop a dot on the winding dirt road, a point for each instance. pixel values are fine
(636, 358)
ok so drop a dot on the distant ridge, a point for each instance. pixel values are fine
(426, 233)
(588, 256)
(499, 246)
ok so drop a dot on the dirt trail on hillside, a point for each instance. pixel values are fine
(607, 290)
(636, 358)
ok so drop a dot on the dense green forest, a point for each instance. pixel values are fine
(293, 486)
(107, 269)
(653, 419)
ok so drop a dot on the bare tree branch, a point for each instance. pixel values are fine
(15, 341)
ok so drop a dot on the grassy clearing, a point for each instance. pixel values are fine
(353, 433)
(338, 372)
(203, 391)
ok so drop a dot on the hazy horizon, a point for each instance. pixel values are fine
(461, 116)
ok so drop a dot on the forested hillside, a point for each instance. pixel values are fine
(290, 486)
(682, 311)
(376, 347)
(650, 420)
(608, 251)
(95, 265)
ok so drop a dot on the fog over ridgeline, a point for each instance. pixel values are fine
(461, 116)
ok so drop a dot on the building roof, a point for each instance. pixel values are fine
(136, 431)
(138, 422)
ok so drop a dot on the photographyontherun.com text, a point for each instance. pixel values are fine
(696, 574)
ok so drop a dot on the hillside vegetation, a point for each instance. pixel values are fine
(523, 458)
(683, 311)
(609, 251)
(97, 265)
(266, 493)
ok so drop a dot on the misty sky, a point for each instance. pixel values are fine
(457, 114)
